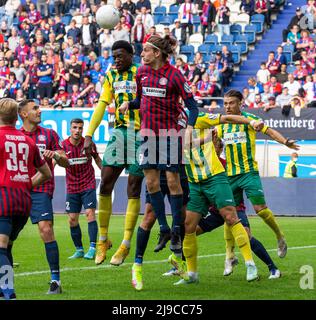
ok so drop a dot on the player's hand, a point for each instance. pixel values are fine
(87, 146)
(123, 107)
(48, 154)
(292, 144)
(257, 125)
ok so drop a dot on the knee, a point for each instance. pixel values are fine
(134, 187)
(229, 214)
(90, 214)
(73, 221)
(259, 207)
(189, 226)
(174, 186)
(106, 187)
(153, 185)
(148, 221)
(47, 233)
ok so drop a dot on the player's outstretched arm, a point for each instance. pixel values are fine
(43, 174)
(59, 156)
(256, 124)
(98, 162)
(277, 136)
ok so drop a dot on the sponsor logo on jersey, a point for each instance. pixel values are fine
(154, 92)
(75, 161)
(14, 138)
(20, 178)
(125, 87)
(213, 116)
(41, 147)
(163, 81)
(235, 137)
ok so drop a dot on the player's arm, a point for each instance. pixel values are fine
(98, 162)
(277, 136)
(235, 119)
(43, 174)
(59, 156)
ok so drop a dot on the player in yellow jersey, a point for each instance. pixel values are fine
(209, 185)
(242, 168)
(120, 153)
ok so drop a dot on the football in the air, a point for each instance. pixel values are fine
(107, 17)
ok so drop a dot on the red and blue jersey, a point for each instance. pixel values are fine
(159, 92)
(80, 173)
(19, 158)
(45, 139)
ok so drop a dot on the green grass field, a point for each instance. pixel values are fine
(81, 279)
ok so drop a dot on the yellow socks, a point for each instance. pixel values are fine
(132, 212)
(105, 211)
(230, 242)
(190, 251)
(242, 240)
(268, 217)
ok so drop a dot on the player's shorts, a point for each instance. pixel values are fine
(215, 190)
(12, 226)
(213, 220)
(75, 201)
(42, 207)
(250, 183)
(121, 150)
(165, 190)
(161, 153)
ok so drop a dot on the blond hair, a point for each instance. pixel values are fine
(8, 110)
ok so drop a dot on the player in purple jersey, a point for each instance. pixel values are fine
(20, 158)
(81, 188)
(159, 89)
(49, 144)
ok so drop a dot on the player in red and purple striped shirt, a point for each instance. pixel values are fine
(49, 144)
(81, 188)
(159, 89)
(20, 158)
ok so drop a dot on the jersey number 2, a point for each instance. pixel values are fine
(14, 149)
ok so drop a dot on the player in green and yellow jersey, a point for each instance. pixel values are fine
(120, 153)
(242, 168)
(209, 185)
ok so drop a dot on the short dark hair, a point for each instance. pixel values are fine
(24, 103)
(122, 44)
(76, 120)
(234, 94)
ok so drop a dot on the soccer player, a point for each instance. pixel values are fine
(21, 168)
(120, 153)
(81, 189)
(242, 168)
(159, 89)
(50, 147)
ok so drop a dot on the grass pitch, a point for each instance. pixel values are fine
(83, 280)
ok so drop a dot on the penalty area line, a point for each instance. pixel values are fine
(107, 266)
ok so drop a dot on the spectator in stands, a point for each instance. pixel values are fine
(282, 76)
(4, 70)
(143, 3)
(4, 92)
(299, 73)
(193, 74)
(34, 16)
(106, 61)
(186, 12)
(295, 21)
(284, 98)
(13, 85)
(80, 103)
(88, 33)
(147, 19)
(45, 78)
(247, 102)
(280, 57)
(228, 66)
(310, 89)
(266, 94)
(31, 80)
(18, 70)
(60, 78)
(20, 96)
(208, 16)
(272, 64)
(303, 43)
(307, 62)
(106, 40)
(223, 14)
(152, 31)
(214, 78)
(293, 36)
(128, 16)
(120, 33)
(22, 51)
(83, 10)
(293, 85)
(312, 50)
(11, 8)
(125, 24)
(177, 32)
(52, 43)
(254, 88)
(13, 40)
(73, 73)
(258, 102)
(42, 7)
(310, 13)
(270, 105)
(247, 6)
(45, 104)
(130, 6)
(263, 75)
(297, 103)
(264, 7)
(205, 88)
(74, 31)
(181, 65)
(275, 87)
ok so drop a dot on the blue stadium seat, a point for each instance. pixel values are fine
(66, 19)
(174, 9)
(227, 40)
(173, 16)
(242, 39)
(235, 48)
(258, 21)
(235, 29)
(250, 32)
(236, 57)
(288, 48)
(290, 68)
(157, 18)
(162, 10)
(211, 39)
(166, 20)
(196, 23)
(187, 49)
(288, 56)
(204, 48)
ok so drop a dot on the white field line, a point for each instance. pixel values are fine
(106, 266)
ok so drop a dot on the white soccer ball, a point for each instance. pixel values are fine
(107, 17)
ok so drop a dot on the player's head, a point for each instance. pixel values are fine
(158, 49)
(122, 52)
(29, 111)
(76, 128)
(8, 112)
(233, 101)
(294, 156)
